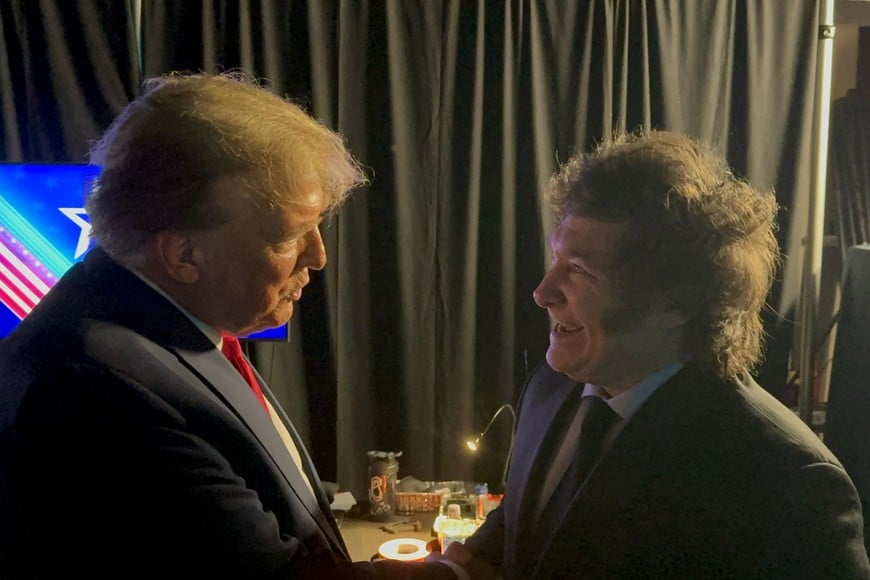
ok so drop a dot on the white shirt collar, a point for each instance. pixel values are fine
(628, 402)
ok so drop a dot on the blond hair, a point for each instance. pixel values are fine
(162, 157)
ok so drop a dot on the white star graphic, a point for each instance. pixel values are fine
(75, 214)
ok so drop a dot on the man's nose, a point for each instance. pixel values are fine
(546, 294)
(314, 254)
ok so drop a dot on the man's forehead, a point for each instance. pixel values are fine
(296, 214)
(308, 199)
(582, 234)
(596, 243)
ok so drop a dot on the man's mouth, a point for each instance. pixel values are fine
(296, 295)
(561, 328)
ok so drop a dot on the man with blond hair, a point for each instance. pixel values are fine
(130, 446)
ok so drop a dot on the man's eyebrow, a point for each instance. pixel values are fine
(287, 231)
(575, 253)
(589, 260)
(302, 227)
(568, 251)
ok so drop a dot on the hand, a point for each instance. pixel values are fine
(458, 554)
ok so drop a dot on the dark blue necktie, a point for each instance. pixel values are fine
(597, 419)
(596, 422)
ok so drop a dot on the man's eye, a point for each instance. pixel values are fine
(582, 271)
(285, 246)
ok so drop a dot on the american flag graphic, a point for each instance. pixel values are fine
(43, 231)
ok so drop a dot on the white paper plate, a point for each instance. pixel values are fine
(404, 549)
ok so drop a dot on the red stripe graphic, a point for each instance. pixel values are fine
(23, 280)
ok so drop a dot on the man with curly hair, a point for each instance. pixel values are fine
(643, 448)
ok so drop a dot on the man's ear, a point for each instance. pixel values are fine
(179, 257)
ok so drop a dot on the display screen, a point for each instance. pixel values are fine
(44, 230)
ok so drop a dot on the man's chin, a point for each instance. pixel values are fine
(560, 365)
(554, 361)
(269, 322)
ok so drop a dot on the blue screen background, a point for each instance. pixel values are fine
(32, 197)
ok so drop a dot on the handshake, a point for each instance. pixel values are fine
(460, 560)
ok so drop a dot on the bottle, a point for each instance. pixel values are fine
(482, 492)
(452, 527)
(383, 467)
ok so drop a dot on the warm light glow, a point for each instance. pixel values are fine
(473, 444)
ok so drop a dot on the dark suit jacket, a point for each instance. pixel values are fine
(708, 480)
(130, 447)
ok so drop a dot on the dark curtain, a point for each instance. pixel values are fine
(423, 324)
(849, 170)
(847, 422)
(66, 70)
(849, 165)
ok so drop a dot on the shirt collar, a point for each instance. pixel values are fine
(628, 402)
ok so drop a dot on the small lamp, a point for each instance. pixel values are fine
(474, 444)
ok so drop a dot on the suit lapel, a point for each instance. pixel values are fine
(218, 373)
(537, 456)
(613, 483)
(548, 395)
(162, 323)
(646, 449)
(328, 524)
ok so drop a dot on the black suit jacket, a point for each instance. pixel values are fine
(130, 447)
(708, 480)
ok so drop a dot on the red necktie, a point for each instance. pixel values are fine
(232, 349)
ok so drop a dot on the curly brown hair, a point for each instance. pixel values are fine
(700, 236)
